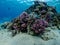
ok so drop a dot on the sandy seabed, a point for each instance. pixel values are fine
(25, 39)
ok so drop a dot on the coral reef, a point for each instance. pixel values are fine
(34, 20)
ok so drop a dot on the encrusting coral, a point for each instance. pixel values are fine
(34, 20)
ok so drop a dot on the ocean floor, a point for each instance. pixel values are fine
(25, 39)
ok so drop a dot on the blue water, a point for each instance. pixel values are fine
(10, 9)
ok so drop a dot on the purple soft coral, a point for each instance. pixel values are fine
(39, 26)
(24, 25)
(24, 15)
(23, 21)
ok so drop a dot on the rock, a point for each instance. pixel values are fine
(9, 26)
(4, 25)
(48, 35)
